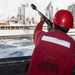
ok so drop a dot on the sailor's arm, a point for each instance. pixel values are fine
(38, 30)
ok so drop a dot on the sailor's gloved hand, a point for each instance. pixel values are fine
(42, 19)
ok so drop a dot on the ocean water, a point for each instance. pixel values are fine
(16, 47)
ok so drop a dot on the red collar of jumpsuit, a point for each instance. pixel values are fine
(39, 55)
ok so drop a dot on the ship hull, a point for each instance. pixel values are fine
(16, 33)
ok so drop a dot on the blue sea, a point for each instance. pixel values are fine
(16, 47)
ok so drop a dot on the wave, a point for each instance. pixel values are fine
(16, 47)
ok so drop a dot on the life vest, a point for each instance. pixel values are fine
(54, 55)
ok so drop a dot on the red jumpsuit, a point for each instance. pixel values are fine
(49, 48)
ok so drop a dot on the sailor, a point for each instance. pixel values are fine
(54, 50)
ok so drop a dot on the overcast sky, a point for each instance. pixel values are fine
(10, 7)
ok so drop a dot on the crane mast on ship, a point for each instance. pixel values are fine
(49, 12)
(21, 13)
